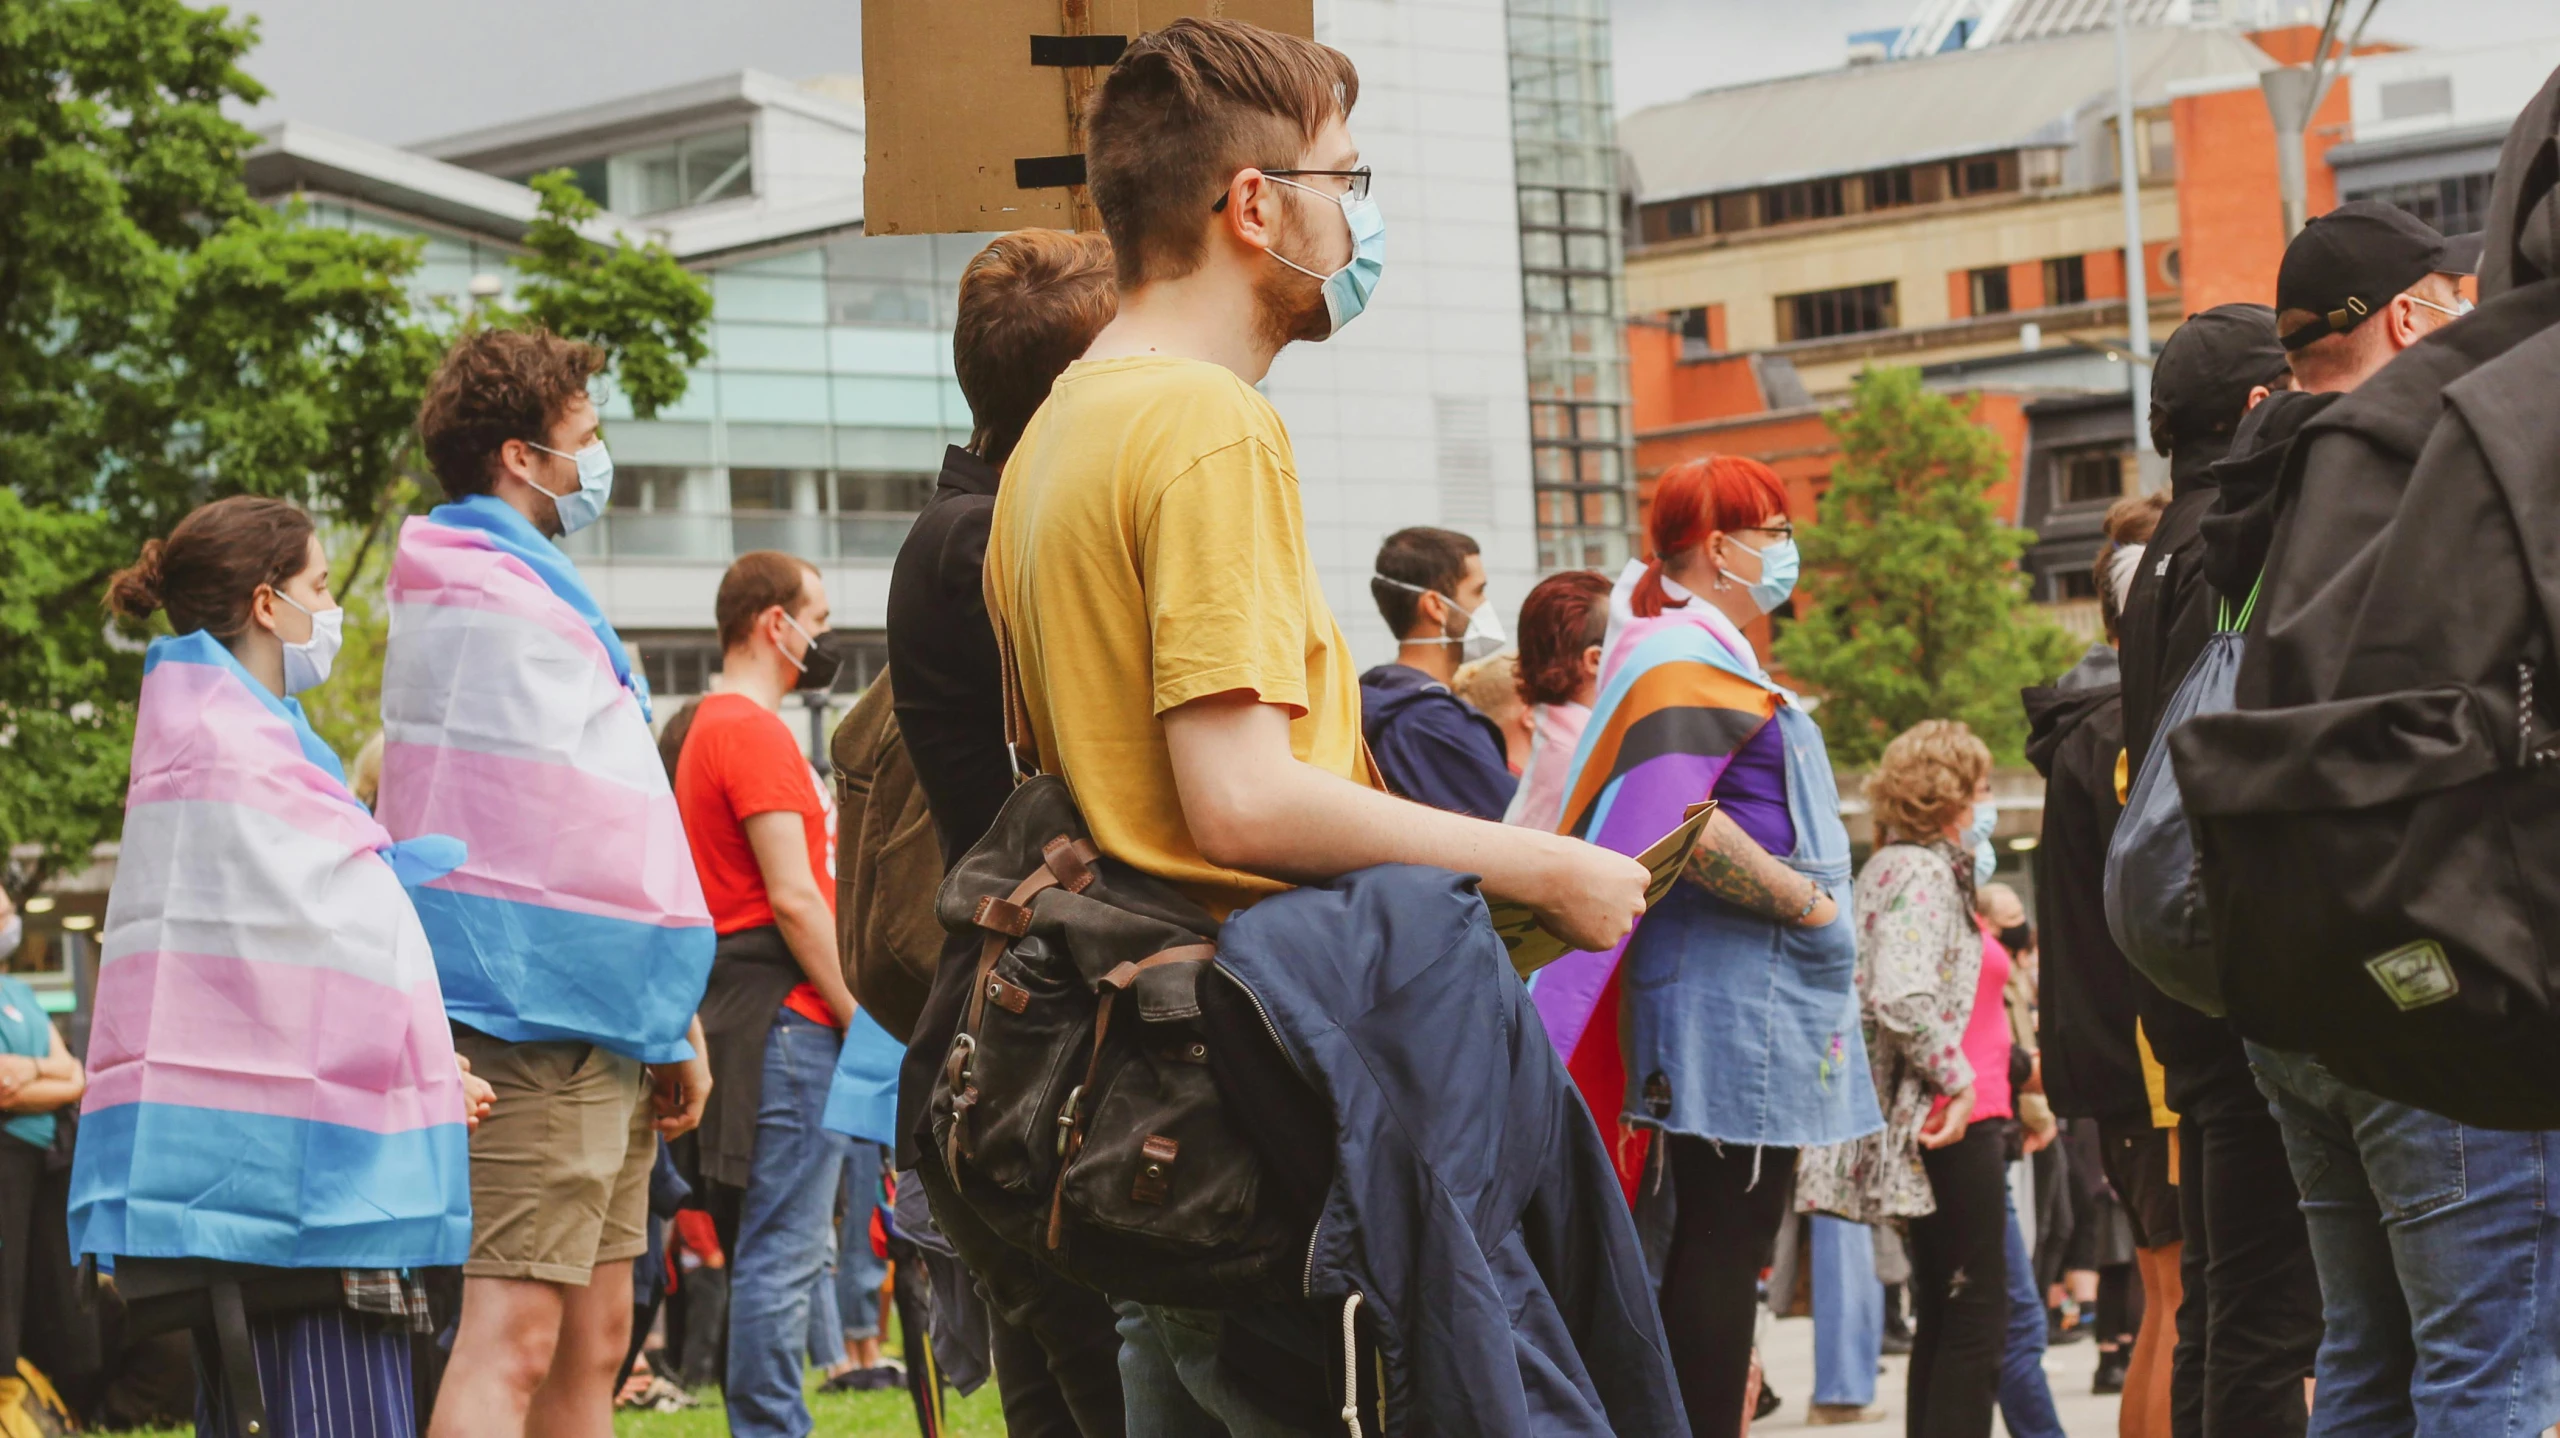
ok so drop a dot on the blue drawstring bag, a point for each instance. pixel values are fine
(2155, 893)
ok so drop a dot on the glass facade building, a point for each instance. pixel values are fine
(1572, 282)
(816, 426)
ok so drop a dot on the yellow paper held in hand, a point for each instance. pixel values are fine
(1533, 948)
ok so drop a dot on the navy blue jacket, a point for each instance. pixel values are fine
(1433, 746)
(1473, 1205)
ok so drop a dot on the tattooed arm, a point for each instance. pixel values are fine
(1731, 865)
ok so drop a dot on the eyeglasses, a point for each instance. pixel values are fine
(1783, 531)
(1358, 188)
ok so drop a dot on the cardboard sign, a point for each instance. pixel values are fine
(974, 107)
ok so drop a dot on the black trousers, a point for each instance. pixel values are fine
(2249, 1327)
(1058, 1371)
(1731, 1203)
(1960, 1287)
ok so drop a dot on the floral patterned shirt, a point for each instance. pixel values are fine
(1919, 959)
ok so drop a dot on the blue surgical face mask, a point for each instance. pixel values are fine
(582, 506)
(1986, 862)
(1778, 564)
(1347, 290)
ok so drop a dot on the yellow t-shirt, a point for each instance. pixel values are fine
(1149, 550)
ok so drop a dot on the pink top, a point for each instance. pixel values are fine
(1555, 731)
(1986, 1034)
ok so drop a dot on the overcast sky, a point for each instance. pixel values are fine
(405, 73)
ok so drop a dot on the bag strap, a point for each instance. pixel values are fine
(1021, 747)
(1065, 863)
(2225, 623)
(1071, 1118)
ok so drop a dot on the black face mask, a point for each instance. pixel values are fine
(820, 663)
(2018, 938)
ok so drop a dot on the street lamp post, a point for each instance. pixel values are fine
(2137, 277)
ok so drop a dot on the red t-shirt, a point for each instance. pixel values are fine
(739, 761)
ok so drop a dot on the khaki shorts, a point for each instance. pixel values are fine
(560, 1167)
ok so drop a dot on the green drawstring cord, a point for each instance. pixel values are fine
(2226, 624)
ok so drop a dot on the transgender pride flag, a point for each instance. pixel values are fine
(1679, 694)
(271, 1078)
(513, 721)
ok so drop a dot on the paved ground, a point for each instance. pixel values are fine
(1790, 1369)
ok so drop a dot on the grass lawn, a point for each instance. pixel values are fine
(839, 1415)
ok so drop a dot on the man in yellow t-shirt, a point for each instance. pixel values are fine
(1148, 556)
(1181, 667)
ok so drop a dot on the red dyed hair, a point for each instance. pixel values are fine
(1566, 614)
(1696, 498)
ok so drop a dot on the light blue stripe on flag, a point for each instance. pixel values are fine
(618, 983)
(168, 1181)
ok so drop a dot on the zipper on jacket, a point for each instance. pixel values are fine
(1307, 1275)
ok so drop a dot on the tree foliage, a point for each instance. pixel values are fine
(1918, 609)
(166, 340)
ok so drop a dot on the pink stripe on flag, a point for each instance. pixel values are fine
(208, 1031)
(201, 737)
(455, 569)
(601, 848)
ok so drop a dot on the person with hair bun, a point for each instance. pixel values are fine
(1925, 974)
(275, 1122)
(1562, 622)
(1741, 1043)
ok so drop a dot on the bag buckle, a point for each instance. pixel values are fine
(1067, 1118)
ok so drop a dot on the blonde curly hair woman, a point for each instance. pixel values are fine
(1921, 967)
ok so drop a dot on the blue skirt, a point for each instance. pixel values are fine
(326, 1373)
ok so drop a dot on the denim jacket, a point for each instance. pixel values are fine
(1742, 1030)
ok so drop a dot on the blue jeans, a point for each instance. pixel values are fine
(1848, 1312)
(1169, 1374)
(2026, 1400)
(859, 1271)
(783, 1223)
(2438, 1247)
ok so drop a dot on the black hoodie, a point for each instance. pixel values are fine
(2200, 403)
(2092, 1067)
(2377, 863)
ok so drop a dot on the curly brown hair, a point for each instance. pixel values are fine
(1926, 780)
(496, 385)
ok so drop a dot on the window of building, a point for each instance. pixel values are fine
(2066, 281)
(2159, 147)
(1680, 222)
(874, 492)
(696, 170)
(648, 488)
(1889, 188)
(678, 666)
(2062, 585)
(1824, 313)
(1976, 177)
(1733, 212)
(1812, 200)
(760, 489)
(2088, 477)
(2455, 205)
(1697, 330)
(1990, 290)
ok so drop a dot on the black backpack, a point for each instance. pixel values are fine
(1112, 1103)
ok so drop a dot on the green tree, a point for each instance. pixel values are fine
(1918, 609)
(166, 340)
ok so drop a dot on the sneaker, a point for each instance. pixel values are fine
(2111, 1366)
(1897, 1342)
(1832, 1415)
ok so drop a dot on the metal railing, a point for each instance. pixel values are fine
(720, 537)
